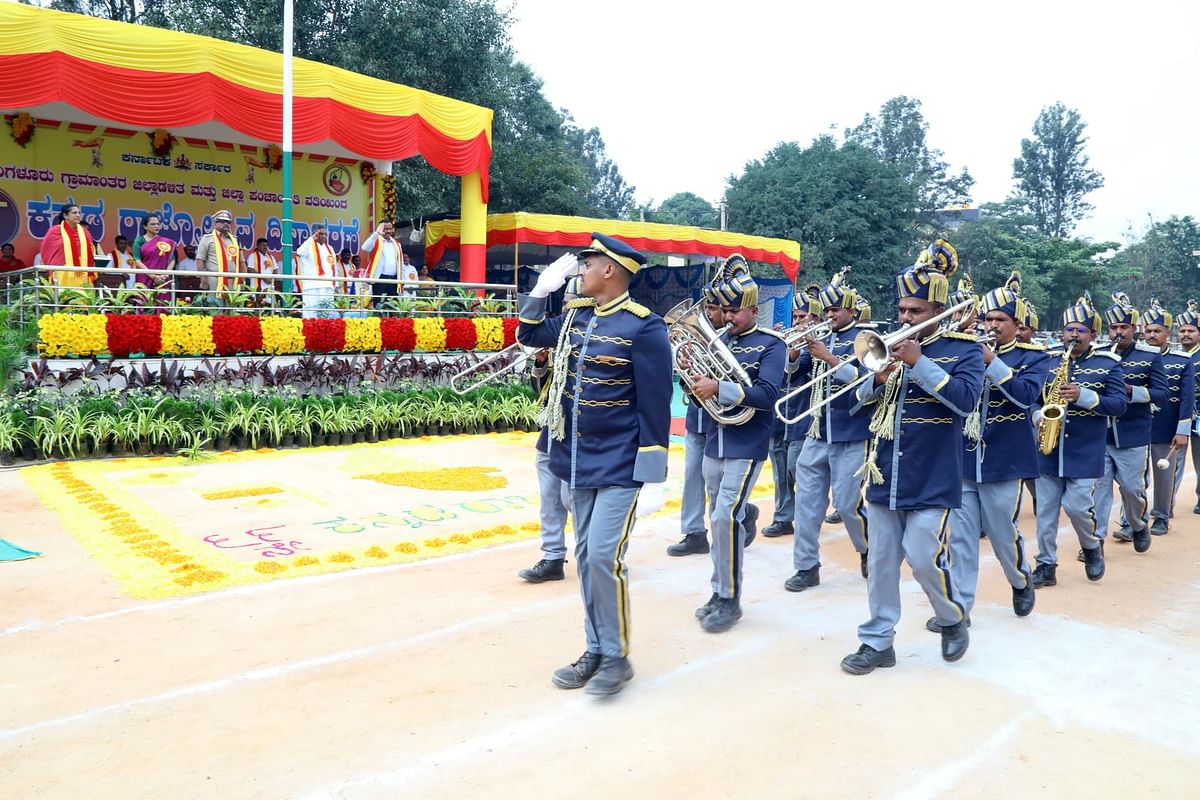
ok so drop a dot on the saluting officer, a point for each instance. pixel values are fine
(837, 442)
(1127, 448)
(1189, 343)
(806, 312)
(1093, 392)
(914, 467)
(1000, 452)
(609, 416)
(1172, 422)
(733, 454)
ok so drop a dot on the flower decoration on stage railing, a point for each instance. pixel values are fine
(387, 204)
(22, 128)
(274, 155)
(366, 171)
(161, 142)
(510, 331)
(121, 335)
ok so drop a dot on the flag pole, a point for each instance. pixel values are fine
(286, 255)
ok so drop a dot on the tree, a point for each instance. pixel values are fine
(685, 208)
(1052, 173)
(1160, 265)
(898, 138)
(607, 193)
(843, 204)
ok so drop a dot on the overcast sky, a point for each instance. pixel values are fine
(685, 93)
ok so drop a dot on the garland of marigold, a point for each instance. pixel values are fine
(431, 335)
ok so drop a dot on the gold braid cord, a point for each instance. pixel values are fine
(552, 415)
(815, 398)
(883, 425)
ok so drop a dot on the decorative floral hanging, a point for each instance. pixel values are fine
(388, 204)
(366, 171)
(161, 142)
(22, 128)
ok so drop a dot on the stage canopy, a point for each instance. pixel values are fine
(86, 70)
(547, 229)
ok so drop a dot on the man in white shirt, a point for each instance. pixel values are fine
(316, 258)
(384, 258)
(409, 278)
(261, 261)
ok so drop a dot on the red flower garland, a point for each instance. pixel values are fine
(398, 334)
(233, 335)
(134, 333)
(460, 333)
(510, 330)
(324, 335)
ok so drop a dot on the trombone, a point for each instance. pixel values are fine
(520, 355)
(874, 352)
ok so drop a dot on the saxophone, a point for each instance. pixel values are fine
(1053, 408)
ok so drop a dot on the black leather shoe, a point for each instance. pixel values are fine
(690, 544)
(804, 579)
(862, 565)
(1044, 575)
(726, 614)
(706, 609)
(833, 517)
(867, 659)
(1023, 599)
(1093, 562)
(954, 641)
(544, 570)
(1196, 510)
(778, 529)
(576, 675)
(749, 525)
(933, 626)
(1141, 540)
(1160, 527)
(612, 676)
(1079, 557)
(1122, 535)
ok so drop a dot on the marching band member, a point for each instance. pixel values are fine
(1189, 343)
(1127, 448)
(788, 440)
(733, 454)
(914, 465)
(609, 415)
(1027, 328)
(1000, 452)
(837, 442)
(1091, 386)
(1172, 422)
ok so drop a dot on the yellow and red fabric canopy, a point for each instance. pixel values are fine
(147, 77)
(523, 227)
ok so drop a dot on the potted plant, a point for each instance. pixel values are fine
(10, 439)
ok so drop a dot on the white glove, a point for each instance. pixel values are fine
(1037, 416)
(554, 276)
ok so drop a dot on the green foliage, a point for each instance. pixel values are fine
(685, 208)
(1052, 173)
(1160, 265)
(16, 343)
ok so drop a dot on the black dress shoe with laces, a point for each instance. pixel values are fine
(706, 609)
(1141, 540)
(1093, 562)
(933, 626)
(1023, 599)
(804, 579)
(724, 615)
(778, 529)
(955, 640)
(690, 544)
(611, 677)
(867, 659)
(544, 570)
(577, 674)
(749, 525)
(833, 517)
(1044, 575)
(1160, 527)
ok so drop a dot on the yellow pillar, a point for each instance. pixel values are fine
(473, 231)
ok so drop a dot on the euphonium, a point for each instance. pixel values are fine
(697, 349)
(1053, 408)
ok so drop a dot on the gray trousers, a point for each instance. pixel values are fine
(824, 467)
(691, 509)
(1127, 466)
(921, 538)
(552, 513)
(729, 481)
(1076, 496)
(991, 508)
(783, 465)
(1164, 481)
(603, 522)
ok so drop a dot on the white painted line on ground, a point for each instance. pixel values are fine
(942, 781)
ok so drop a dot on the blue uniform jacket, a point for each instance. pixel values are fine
(1081, 437)
(1012, 386)
(616, 403)
(762, 353)
(793, 377)
(697, 420)
(1176, 416)
(836, 421)
(1194, 355)
(922, 464)
(1143, 368)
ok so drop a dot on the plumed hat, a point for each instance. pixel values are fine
(929, 277)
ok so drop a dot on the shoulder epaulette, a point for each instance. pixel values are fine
(635, 308)
(1041, 348)
(966, 337)
(771, 332)
(1107, 354)
(1145, 348)
(580, 302)
(867, 326)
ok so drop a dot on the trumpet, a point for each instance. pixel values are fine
(988, 340)
(873, 351)
(798, 338)
(519, 354)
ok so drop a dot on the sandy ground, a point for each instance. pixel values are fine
(432, 680)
